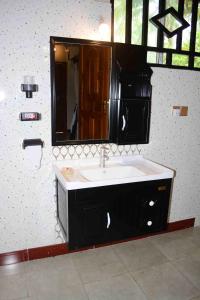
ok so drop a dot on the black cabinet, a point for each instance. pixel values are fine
(110, 213)
(130, 104)
(134, 121)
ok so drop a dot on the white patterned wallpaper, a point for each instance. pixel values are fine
(27, 204)
(175, 141)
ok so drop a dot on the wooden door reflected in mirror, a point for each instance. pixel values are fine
(81, 91)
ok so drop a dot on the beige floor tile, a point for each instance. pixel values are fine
(76, 292)
(190, 268)
(196, 298)
(184, 233)
(52, 281)
(64, 261)
(174, 235)
(38, 265)
(13, 269)
(195, 254)
(28, 298)
(175, 247)
(166, 283)
(13, 287)
(196, 235)
(139, 254)
(121, 287)
(97, 264)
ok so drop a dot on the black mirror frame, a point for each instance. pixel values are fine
(53, 41)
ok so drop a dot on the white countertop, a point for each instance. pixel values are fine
(69, 174)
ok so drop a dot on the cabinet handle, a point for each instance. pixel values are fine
(124, 122)
(151, 203)
(149, 223)
(108, 220)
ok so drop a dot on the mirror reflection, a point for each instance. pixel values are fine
(81, 91)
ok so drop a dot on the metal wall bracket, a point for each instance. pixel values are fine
(32, 142)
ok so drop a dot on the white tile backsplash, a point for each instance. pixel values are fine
(27, 203)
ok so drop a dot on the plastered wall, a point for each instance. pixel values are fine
(27, 202)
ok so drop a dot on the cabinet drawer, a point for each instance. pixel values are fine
(152, 223)
(151, 205)
(154, 190)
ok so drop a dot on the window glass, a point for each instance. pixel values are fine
(119, 20)
(161, 57)
(156, 57)
(180, 60)
(197, 62)
(151, 57)
(198, 32)
(186, 32)
(137, 11)
(170, 23)
(152, 29)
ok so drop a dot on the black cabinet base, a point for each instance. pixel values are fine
(105, 214)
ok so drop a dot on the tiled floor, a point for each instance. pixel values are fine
(162, 267)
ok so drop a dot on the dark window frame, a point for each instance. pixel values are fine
(191, 53)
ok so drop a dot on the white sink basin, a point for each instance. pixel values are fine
(108, 173)
(86, 173)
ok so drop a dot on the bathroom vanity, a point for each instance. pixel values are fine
(101, 93)
(129, 197)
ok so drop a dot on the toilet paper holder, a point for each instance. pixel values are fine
(32, 142)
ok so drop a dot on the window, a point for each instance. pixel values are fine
(169, 29)
(119, 20)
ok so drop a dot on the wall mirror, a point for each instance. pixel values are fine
(80, 87)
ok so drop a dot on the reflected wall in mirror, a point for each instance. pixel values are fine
(80, 77)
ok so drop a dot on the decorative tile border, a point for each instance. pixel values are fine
(92, 150)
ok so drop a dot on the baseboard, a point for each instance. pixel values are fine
(32, 253)
(47, 251)
(178, 225)
(13, 257)
(60, 249)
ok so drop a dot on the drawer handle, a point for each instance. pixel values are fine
(108, 220)
(162, 188)
(149, 223)
(151, 203)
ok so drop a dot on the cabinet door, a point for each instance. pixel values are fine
(91, 217)
(95, 222)
(127, 216)
(134, 121)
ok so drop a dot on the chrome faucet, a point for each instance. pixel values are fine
(103, 156)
